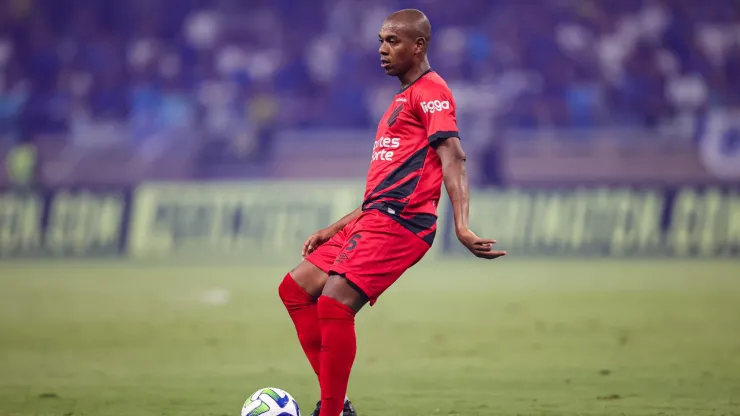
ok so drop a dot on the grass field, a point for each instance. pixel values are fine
(475, 338)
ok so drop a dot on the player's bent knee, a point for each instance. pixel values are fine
(294, 298)
(309, 277)
(345, 292)
(287, 290)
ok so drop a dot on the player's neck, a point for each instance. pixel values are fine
(414, 74)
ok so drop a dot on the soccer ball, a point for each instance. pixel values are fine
(270, 402)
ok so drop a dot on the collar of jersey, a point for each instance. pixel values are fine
(414, 81)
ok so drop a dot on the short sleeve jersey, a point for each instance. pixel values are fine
(405, 176)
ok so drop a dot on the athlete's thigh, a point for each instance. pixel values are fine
(309, 277)
(311, 273)
(377, 251)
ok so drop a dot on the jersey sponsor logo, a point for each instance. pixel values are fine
(401, 99)
(435, 106)
(383, 148)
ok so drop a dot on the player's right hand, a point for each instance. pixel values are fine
(480, 247)
(315, 240)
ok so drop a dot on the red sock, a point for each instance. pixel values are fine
(303, 311)
(338, 348)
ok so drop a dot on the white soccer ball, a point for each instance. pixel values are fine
(270, 402)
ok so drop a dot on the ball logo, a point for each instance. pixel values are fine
(435, 106)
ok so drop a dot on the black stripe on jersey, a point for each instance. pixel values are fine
(420, 222)
(437, 138)
(394, 115)
(393, 201)
(413, 163)
(386, 207)
(429, 238)
(402, 191)
(416, 224)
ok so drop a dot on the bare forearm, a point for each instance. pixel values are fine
(456, 183)
(345, 220)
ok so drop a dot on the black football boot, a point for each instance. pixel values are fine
(349, 409)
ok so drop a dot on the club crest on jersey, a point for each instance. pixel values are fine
(394, 115)
(435, 106)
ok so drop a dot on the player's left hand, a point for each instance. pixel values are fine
(480, 247)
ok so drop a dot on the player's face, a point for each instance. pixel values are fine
(397, 50)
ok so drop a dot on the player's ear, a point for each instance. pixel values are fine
(421, 44)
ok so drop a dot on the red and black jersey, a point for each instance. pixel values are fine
(405, 176)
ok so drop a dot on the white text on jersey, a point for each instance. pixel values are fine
(434, 106)
(381, 148)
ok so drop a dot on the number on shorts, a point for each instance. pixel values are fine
(352, 243)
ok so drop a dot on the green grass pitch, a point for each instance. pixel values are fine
(510, 337)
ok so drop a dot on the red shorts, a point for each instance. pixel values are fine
(372, 252)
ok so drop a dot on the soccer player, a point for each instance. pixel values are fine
(353, 261)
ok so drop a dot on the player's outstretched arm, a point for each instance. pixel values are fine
(320, 237)
(455, 174)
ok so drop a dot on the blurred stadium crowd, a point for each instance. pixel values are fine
(152, 73)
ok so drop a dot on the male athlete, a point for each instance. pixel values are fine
(356, 259)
